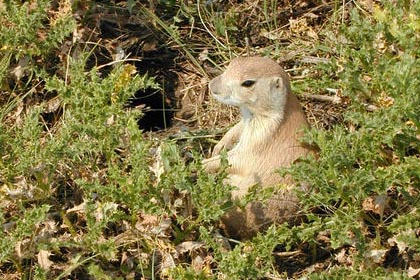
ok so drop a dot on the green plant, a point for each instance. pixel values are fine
(27, 29)
(30, 34)
(377, 152)
(85, 193)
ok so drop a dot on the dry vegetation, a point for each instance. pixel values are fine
(86, 194)
(183, 52)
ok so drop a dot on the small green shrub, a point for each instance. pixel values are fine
(27, 29)
(377, 152)
(30, 35)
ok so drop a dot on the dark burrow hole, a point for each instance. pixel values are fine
(157, 109)
(159, 103)
(159, 62)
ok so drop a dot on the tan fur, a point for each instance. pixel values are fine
(266, 138)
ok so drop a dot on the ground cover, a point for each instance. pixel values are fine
(105, 117)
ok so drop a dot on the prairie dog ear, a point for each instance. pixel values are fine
(281, 84)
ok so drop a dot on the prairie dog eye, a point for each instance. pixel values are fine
(248, 83)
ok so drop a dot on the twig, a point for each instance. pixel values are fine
(314, 59)
(287, 254)
(326, 98)
(371, 108)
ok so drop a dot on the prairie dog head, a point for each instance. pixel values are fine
(257, 85)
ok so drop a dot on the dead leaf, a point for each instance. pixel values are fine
(43, 259)
(341, 257)
(277, 35)
(402, 246)
(203, 55)
(19, 71)
(367, 4)
(412, 191)
(167, 263)
(346, 256)
(52, 105)
(298, 26)
(409, 123)
(377, 256)
(380, 42)
(127, 260)
(48, 229)
(110, 121)
(381, 202)
(367, 78)
(78, 208)
(413, 272)
(188, 246)
(103, 210)
(158, 167)
(385, 100)
(152, 224)
(21, 188)
(202, 263)
(24, 248)
(376, 204)
(368, 204)
(311, 33)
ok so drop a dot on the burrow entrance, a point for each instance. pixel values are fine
(149, 54)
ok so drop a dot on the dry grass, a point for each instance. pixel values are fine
(289, 33)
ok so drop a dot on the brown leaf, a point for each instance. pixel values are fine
(385, 100)
(158, 167)
(413, 272)
(43, 259)
(167, 263)
(376, 204)
(24, 248)
(401, 245)
(346, 256)
(21, 188)
(52, 105)
(152, 224)
(78, 208)
(19, 71)
(202, 263)
(188, 246)
(377, 256)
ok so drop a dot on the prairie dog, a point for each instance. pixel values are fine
(265, 139)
